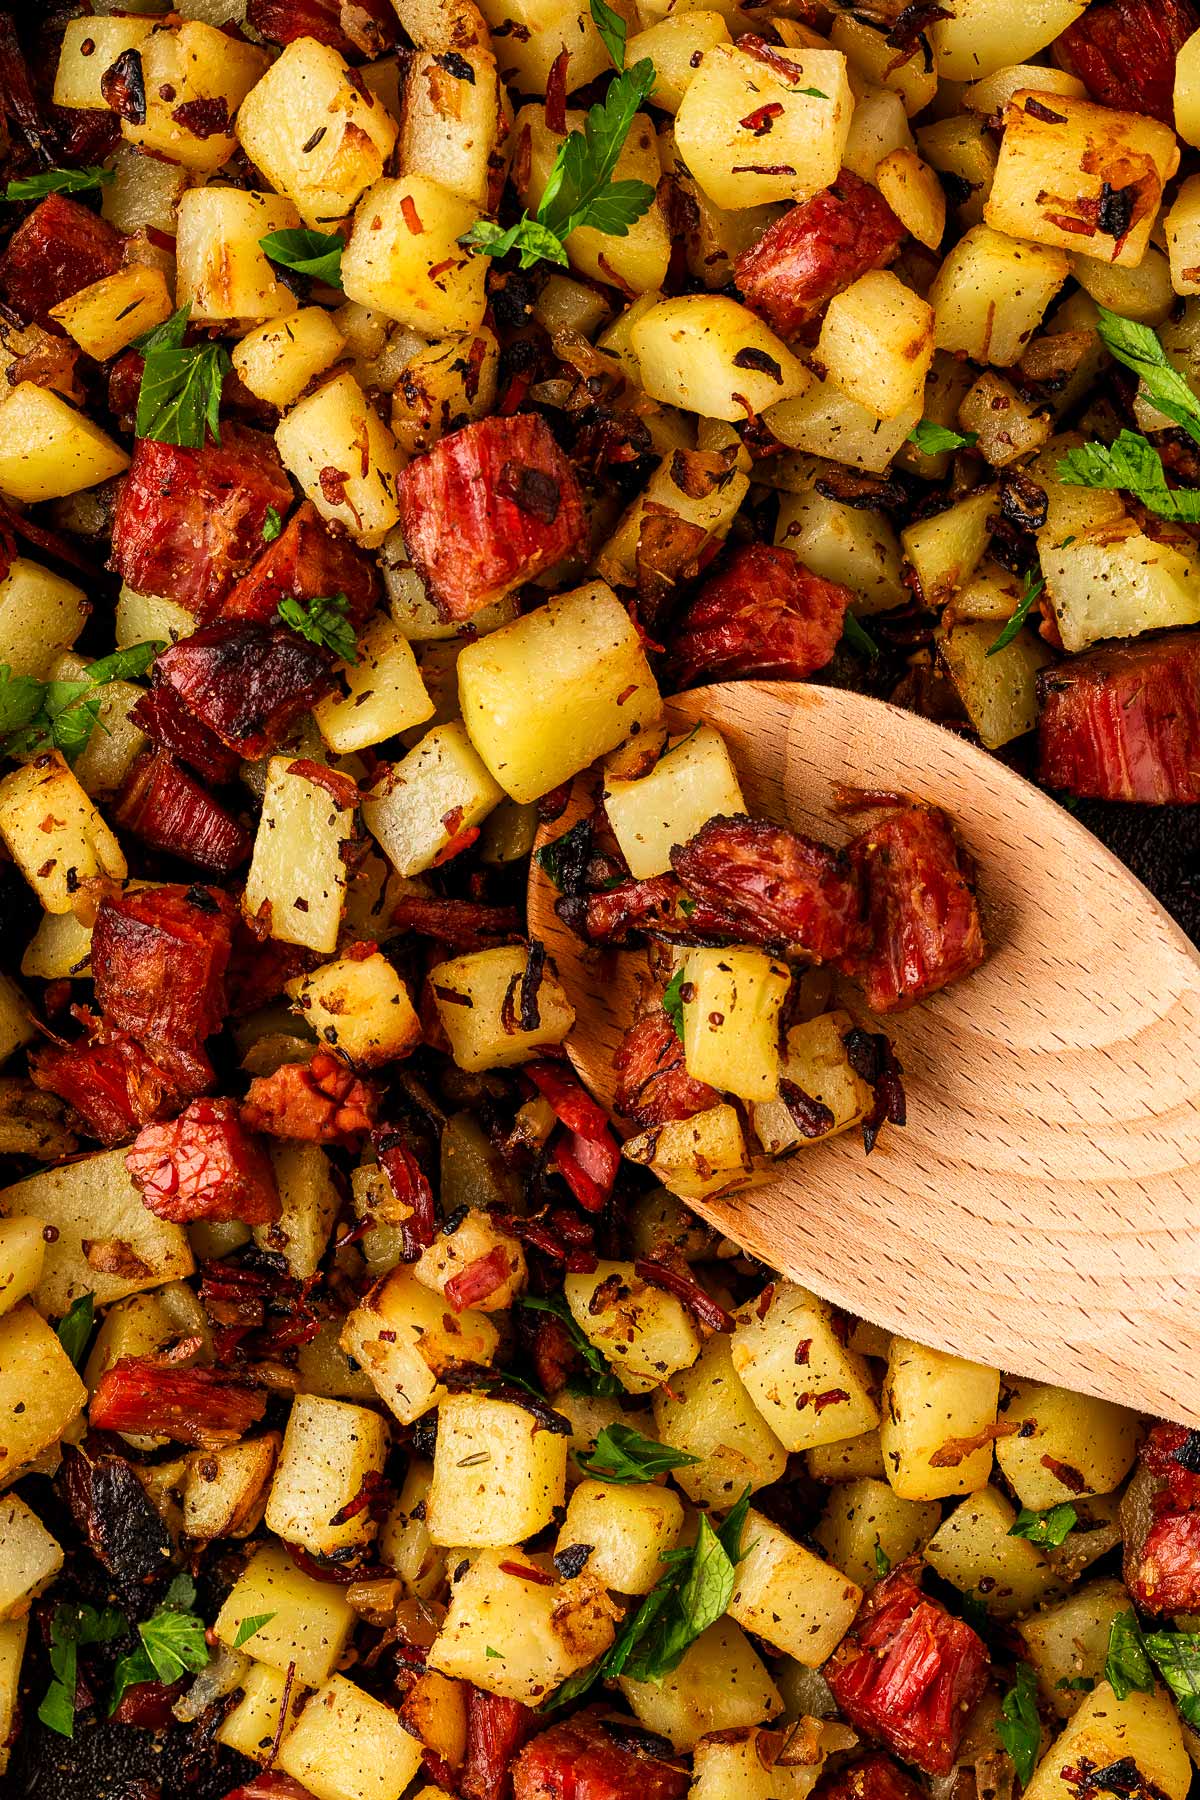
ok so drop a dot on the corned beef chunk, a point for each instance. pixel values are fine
(908, 1672)
(488, 507)
(319, 1102)
(152, 1394)
(590, 1758)
(189, 522)
(165, 719)
(1161, 1522)
(353, 27)
(762, 614)
(114, 1085)
(653, 1083)
(164, 806)
(1165, 1576)
(926, 931)
(204, 1165)
(245, 683)
(660, 907)
(779, 887)
(158, 961)
(1122, 722)
(305, 561)
(1124, 52)
(815, 251)
(61, 247)
(113, 1514)
(496, 1729)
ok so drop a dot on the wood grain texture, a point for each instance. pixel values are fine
(1041, 1211)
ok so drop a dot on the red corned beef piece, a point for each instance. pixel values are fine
(653, 1084)
(114, 1085)
(1172, 1452)
(926, 931)
(308, 559)
(165, 719)
(319, 1102)
(762, 614)
(204, 1165)
(169, 810)
(909, 1673)
(777, 886)
(617, 915)
(189, 522)
(61, 247)
(488, 507)
(151, 1394)
(245, 683)
(353, 27)
(1123, 722)
(496, 1729)
(158, 962)
(586, 1759)
(815, 251)
(1124, 52)
(1165, 1576)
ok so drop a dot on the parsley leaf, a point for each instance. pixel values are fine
(180, 395)
(673, 1001)
(859, 639)
(1049, 1527)
(75, 1327)
(1019, 1730)
(1176, 1655)
(622, 1454)
(612, 29)
(172, 1643)
(601, 1379)
(250, 1624)
(1127, 1667)
(581, 190)
(61, 715)
(72, 1628)
(1024, 607)
(314, 253)
(322, 620)
(58, 181)
(272, 526)
(1133, 463)
(1139, 349)
(883, 1562)
(811, 93)
(932, 439)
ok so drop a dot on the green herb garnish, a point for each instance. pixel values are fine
(883, 1562)
(322, 620)
(1127, 1667)
(272, 526)
(1019, 1729)
(612, 29)
(1139, 349)
(58, 181)
(932, 439)
(858, 638)
(75, 1327)
(180, 396)
(1024, 607)
(622, 1454)
(673, 1001)
(314, 253)
(61, 715)
(600, 1378)
(1046, 1528)
(252, 1623)
(1132, 463)
(172, 1643)
(72, 1628)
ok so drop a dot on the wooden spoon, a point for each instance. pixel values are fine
(1041, 1211)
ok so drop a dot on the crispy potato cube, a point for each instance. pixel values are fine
(709, 1414)
(946, 548)
(1052, 170)
(48, 450)
(689, 784)
(938, 1411)
(732, 1000)
(1067, 1643)
(278, 359)
(193, 62)
(296, 871)
(497, 1473)
(30, 1557)
(317, 135)
(1108, 578)
(984, 35)
(41, 615)
(705, 1154)
(311, 1620)
(225, 1491)
(914, 193)
(990, 293)
(452, 120)
(742, 1763)
(53, 832)
(713, 355)
(1181, 227)
(534, 734)
(360, 1005)
(419, 808)
(863, 1518)
(223, 272)
(857, 1458)
(818, 1062)
(543, 1632)
(962, 148)
(253, 1724)
(998, 689)
(331, 1449)
(534, 33)
(973, 1551)
(628, 1527)
(13, 1633)
(876, 343)
(470, 993)
(405, 1336)
(90, 46)
(1091, 1441)
(435, 1709)
(22, 1254)
(789, 1597)
(1143, 1727)
(40, 1393)
(721, 1684)
(869, 55)
(107, 315)
(815, 1399)
(825, 422)
(404, 1541)
(405, 261)
(443, 387)
(326, 441)
(308, 1204)
(325, 1368)
(346, 1745)
(100, 1225)
(478, 1237)
(635, 260)
(1187, 90)
(675, 45)
(646, 1334)
(720, 115)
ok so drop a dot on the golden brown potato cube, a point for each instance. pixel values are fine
(818, 1062)
(529, 34)
(308, 1204)
(41, 615)
(48, 450)
(627, 1527)
(451, 115)
(990, 293)
(998, 688)
(938, 1417)
(444, 386)
(1067, 1643)
(253, 1726)
(646, 1333)
(311, 1620)
(867, 1526)
(223, 271)
(708, 1413)
(974, 1552)
(405, 261)
(717, 126)
(1142, 1727)
(225, 1490)
(30, 1557)
(675, 45)
(331, 1451)
(713, 355)
(40, 1393)
(721, 1684)
(498, 1474)
(108, 314)
(472, 996)
(946, 548)
(360, 1005)
(876, 343)
(705, 1154)
(384, 692)
(405, 1336)
(984, 35)
(22, 1253)
(857, 1458)
(732, 999)
(277, 360)
(90, 46)
(54, 833)
(1065, 1444)
(193, 62)
(790, 1358)
(346, 1745)
(788, 1597)
(337, 428)
(748, 1762)
(417, 808)
(690, 783)
(296, 872)
(543, 1632)
(404, 1541)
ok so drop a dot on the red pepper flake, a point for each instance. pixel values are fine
(762, 119)
(412, 217)
(333, 485)
(1070, 1477)
(556, 94)
(339, 786)
(538, 1576)
(802, 1351)
(626, 693)
(685, 1288)
(456, 846)
(439, 269)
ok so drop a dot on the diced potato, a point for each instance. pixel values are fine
(717, 122)
(790, 1598)
(991, 94)
(144, 192)
(477, 1237)
(635, 260)
(627, 1528)
(938, 1417)
(866, 1517)
(712, 354)
(224, 273)
(646, 1334)
(310, 1621)
(1006, 426)
(253, 1725)
(1182, 229)
(419, 808)
(984, 35)
(1067, 1643)
(1054, 169)
(1092, 1441)
(115, 741)
(416, 614)
(106, 316)
(732, 1000)
(818, 1062)
(325, 1368)
(565, 304)
(404, 1541)
(973, 1551)
(405, 1336)
(106, 1243)
(435, 1710)
(443, 387)
(744, 1763)
(404, 230)
(705, 1154)
(1144, 293)
(721, 1684)
(1187, 90)
(844, 543)
(990, 293)
(360, 1005)
(143, 616)
(795, 1395)
(30, 1557)
(709, 1413)
(824, 422)
(277, 360)
(674, 46)
(857, 1458)
(13, 1633)
(225, 1491)
(90, 46)
(47, 449)
(1143, 1728)
(317, 135)
(346, 1745)
(689, 784)
(498, 1474)
(914, 193)
(331, 1450)
(878, 128)
(22, 1254)
(297, 873)
(337, 428)
(870, 56)
(40, 616)
(1112, 580)
(308, 1200)
(16, 1023)
(710, 508)
(40, 1393)
(543, 1632)
(473, 995)
(451, 120)
(534, 733)
(193, 62)
(946, 548)
(962, 148)
(998, 689)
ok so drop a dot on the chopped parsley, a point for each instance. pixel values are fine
(180, 396)
(622, 1454)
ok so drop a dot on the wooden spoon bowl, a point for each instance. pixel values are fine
(1041, 1211)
